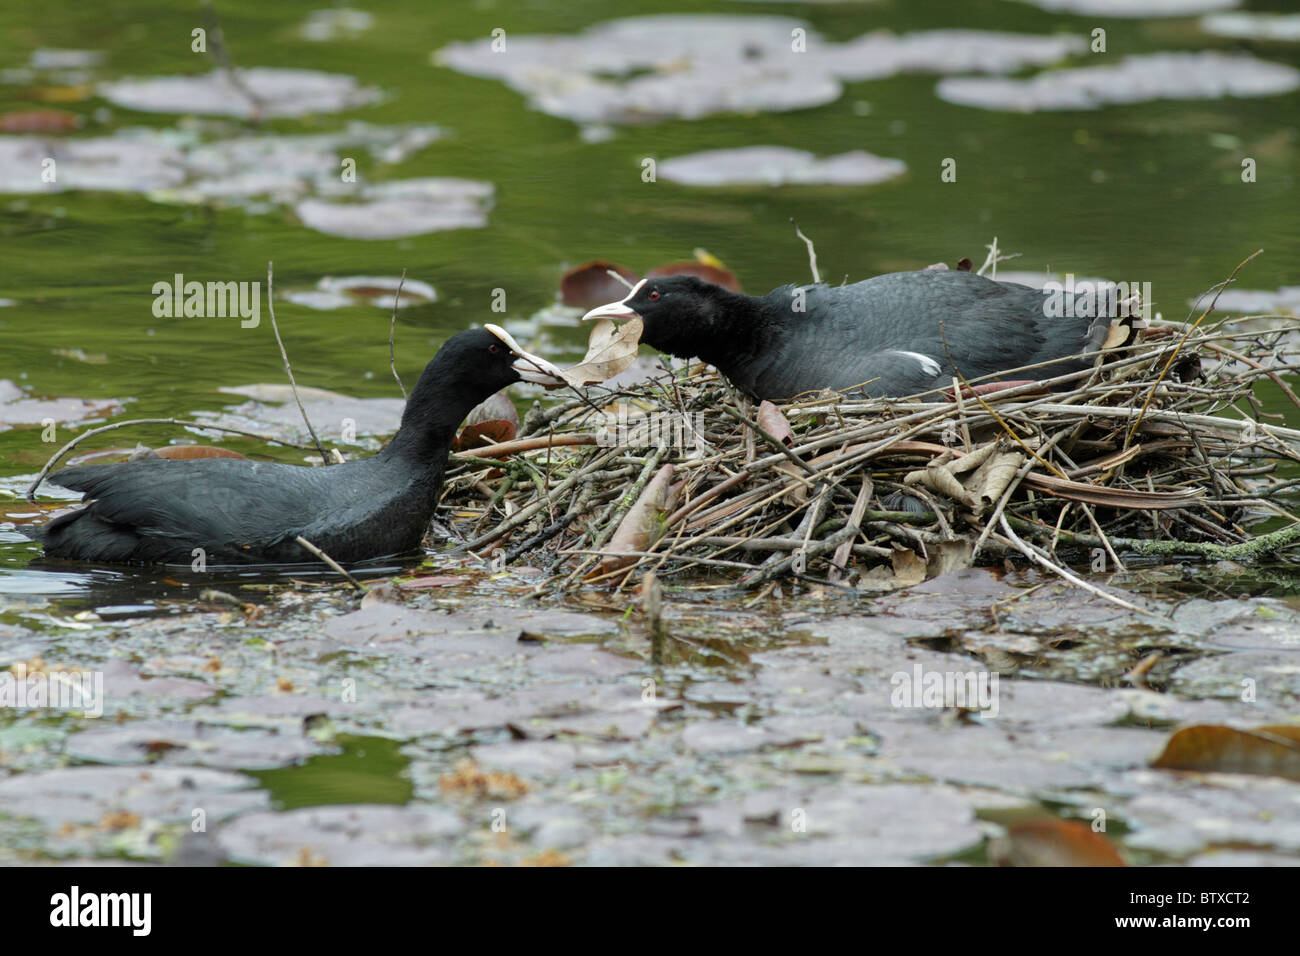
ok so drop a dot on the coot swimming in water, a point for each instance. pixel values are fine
(247, 512)
(895, 334)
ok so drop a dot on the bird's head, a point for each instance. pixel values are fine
(679, 312)
(489, 359)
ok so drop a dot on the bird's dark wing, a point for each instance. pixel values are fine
(909, 331)
(159, 510)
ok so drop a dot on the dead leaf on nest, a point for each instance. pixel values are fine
(772, 421)
(610, 349)
(493, 421)
(941, 474)
(1116, 337)
(991, 479)
(908, 569)
(949, 556)
(643, 525)
(1113, 497)
(797, 486)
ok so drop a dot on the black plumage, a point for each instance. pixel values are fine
(244, 512)
(892, 335)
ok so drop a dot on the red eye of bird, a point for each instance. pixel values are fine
(654, 295)
(494, 349)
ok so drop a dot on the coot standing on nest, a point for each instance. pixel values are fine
(895, 334)
(246, 512)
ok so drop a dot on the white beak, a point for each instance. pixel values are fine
(616, 310)
(531, 368)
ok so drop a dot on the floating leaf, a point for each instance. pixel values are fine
(16, 408)
(709, 273)
(39, 121)
(1053, 843)
(1254, 26)
(1213, 748)
(649, 68)
(379, 291)
(590, 284)
(279, 93)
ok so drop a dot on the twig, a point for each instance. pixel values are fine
(217, 38)
(812, 253)
(1029, 551)
(841, 557)
(507, 448)
(392, 333)
(620, 277)
(270, 303)
(1181, 342)
(330, 561)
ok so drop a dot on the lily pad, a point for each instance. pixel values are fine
(173, 742)
(1134, 8)
(401, 208)
(274, 412)
(590, 284)
(776, 166)
(645, 69)
(116, 164)
(168, 794)
(322, 26)
(1254, 26)
(1142, 78)
(16, 408)
(380, 291)
(357, 835)
(279, 93)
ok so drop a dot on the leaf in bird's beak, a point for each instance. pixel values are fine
(610, 349)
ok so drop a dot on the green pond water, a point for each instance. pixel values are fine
(1147, 193)
(1150, 192)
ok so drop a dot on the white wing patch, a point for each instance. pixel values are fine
(928, 365)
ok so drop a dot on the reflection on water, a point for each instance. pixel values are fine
(26, 578)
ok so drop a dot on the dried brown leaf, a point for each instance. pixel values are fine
(1212, 748)
(772, 421)
(643, 524)
(1053, 843)
(610, 349)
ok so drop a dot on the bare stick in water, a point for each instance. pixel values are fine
(330, 561)
(392, 331)
(270, 303)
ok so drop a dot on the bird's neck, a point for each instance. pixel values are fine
(433, 412)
